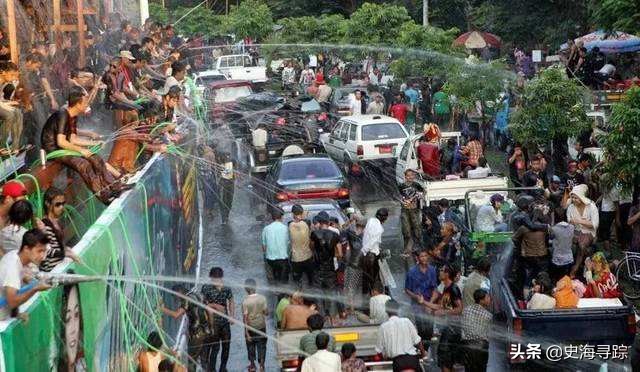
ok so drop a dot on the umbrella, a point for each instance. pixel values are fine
(478, 40)
(609, 42)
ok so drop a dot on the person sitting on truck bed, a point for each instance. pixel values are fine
(308, 341)
(473, 151)
(542, 298)
(398, 340)
(601, 283)
(295, 314)
(429, 155)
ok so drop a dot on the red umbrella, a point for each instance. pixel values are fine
(478, 40)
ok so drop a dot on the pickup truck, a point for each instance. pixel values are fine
(363, 336)
(594, 322)
(240, 67)
(453, 190)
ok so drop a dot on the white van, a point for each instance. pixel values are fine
(363, 138)
(240, 67)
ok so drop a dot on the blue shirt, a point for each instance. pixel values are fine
(421, 283)
(412, 95)
(275, 237)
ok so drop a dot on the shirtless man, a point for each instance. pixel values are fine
(295, 314)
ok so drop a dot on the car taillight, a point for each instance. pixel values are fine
(343, 193)
(377, 357)
(282, 196)
(280, 121)
(293, 363)
(631, 323)
(517, 327)
(360, 150)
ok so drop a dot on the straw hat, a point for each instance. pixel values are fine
(580, 191)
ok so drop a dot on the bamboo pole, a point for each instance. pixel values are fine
(81, 40)
(13, 34)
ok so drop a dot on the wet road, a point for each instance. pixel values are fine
(236, 248)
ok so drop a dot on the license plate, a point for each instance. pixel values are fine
(385, 149)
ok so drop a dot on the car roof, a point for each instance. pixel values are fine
(369, 119)
(209, 73)
(229, 83)
(297, 158)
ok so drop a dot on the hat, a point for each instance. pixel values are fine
(581, 192)
(555, 179)
(14, 189)
(127, 54)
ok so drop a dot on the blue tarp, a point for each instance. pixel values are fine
(610, 42)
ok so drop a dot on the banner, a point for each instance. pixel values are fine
(102, 325)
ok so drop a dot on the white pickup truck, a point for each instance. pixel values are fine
(453, 190)
(240, 67)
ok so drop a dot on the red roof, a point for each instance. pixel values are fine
(474, 39)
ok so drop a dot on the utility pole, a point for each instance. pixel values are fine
(425, 13)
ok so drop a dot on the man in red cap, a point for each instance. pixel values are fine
(12, 191)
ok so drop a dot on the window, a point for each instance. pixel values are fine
(224, 62)
(382, 131)
(352, 132)
(337, 129)
(308, 169)
(345, 131)
(247, 61)
(405, 149)
(230, 94)
(238, 61)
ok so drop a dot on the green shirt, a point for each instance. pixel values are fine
(308, 343)
(441, 103)
(335, 81)
(284, 302)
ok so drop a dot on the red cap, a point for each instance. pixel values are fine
(14, 189)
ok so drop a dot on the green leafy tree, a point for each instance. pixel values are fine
(252, 18)
(158, 13)
(471, 82)
(323, 29)
(617, 15)
(552, 109)
(374, 24)
(622, 143)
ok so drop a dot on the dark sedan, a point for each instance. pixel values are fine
(306, 177)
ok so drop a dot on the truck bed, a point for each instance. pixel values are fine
(456, 189)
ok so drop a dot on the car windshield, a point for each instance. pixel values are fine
(231, 94)
(206, 80)
(308, 170)
(382, 131)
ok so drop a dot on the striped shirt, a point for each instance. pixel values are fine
(56, 250)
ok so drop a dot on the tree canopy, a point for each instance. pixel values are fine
(376, 24)
(552, 108)
(252, 18)
(622, 143)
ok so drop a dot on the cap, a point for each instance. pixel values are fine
(127, 54)
(14, 189)
(555, 179)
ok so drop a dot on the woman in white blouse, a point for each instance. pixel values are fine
(582, 212)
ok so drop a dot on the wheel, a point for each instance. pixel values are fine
(629, 286)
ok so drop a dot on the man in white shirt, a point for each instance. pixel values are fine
(32, 251)
(489, 218)
(357, 102)
(371, 240)
(399, 341)
(324, 91)
(377, 305)
(322, 360)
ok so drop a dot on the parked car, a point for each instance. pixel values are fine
(340, 100)
(240, 67)
(310, 176)
(365, 138)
